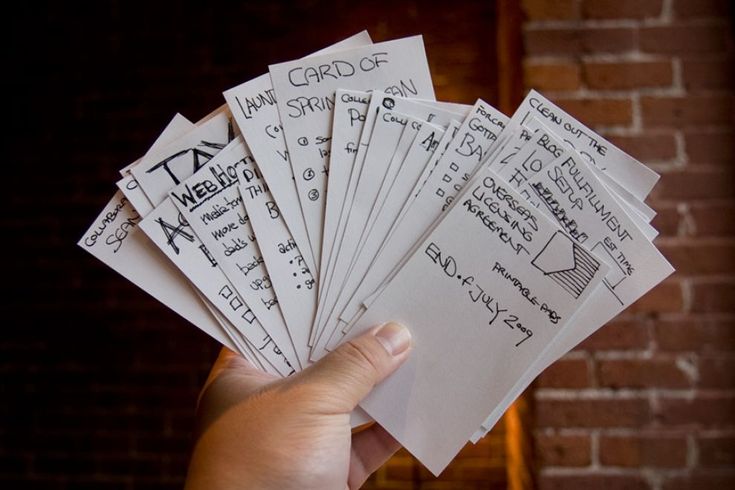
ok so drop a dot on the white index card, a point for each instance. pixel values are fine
(474, 139)
(489, 304)
(289, 273)
(168, 229)
(124, 244)
(423, 146)
(376, 168)
(501, 243)
(305, 90)
(357, 269)
(531, 124)
(540, 150)
(380, 269)
(578, 201)
(253, 104)
(212, 206)
(164, 168)
(621, 167)
(177, 126)
(349, 117)
(389, 114)
(130, 188)
(115, 239)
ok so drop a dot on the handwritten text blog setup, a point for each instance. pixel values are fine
(334, 193)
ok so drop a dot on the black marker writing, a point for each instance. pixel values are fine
(300, 106)
(121, 232)
(526, 292)
(576, 131)
(402, 88)
(106, 220)
(476, 293)
(250, 105)
(558, 211)
(173, 231)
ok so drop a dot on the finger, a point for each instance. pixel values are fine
(226, 361)
(223, 360)
(371, 448)
(231, 380)
(346, 375)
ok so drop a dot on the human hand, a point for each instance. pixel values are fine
(259, 431)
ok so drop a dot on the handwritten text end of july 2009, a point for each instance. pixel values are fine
(478, 295)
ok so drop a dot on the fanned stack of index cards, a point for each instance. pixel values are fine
(333, 193)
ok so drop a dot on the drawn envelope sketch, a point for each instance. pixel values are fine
(617, 273)
(566, 263)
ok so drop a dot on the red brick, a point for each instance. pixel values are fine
(715, 219)
(628, 75)
(717, 372)
(696, 199)
(687, 9)
(714, 296)
(667, 221)
(621, 9)
(588, 481)
(700, 256)
(483, 463)
(563, 450)
(402, 453)
(692, 110)
(580, 41)
(647, 373)
(450, 473)
(695, 183)
(710, 146)
(701, 480)
(545, 10)
(704, 410)
(556, 76)
(632, 412)
(646, 147)
(705, 336)
(487, 447)
(400, 469)
(478, 470)
(592, 112)
(683, 38)
(643, 451)
(716, 451)
(664, 298)
(617, 335)
(429, 483)
(708, 73)
(565, 373)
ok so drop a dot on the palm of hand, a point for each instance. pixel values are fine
(258, 431)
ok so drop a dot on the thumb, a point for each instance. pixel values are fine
(345, 376)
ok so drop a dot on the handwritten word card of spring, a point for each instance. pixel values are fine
(305, 91)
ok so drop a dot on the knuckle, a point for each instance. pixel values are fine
(358, 353)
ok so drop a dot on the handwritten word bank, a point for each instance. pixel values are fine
(334, 193)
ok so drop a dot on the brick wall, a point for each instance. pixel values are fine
(649, 401)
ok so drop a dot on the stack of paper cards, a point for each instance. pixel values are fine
(333, 193)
